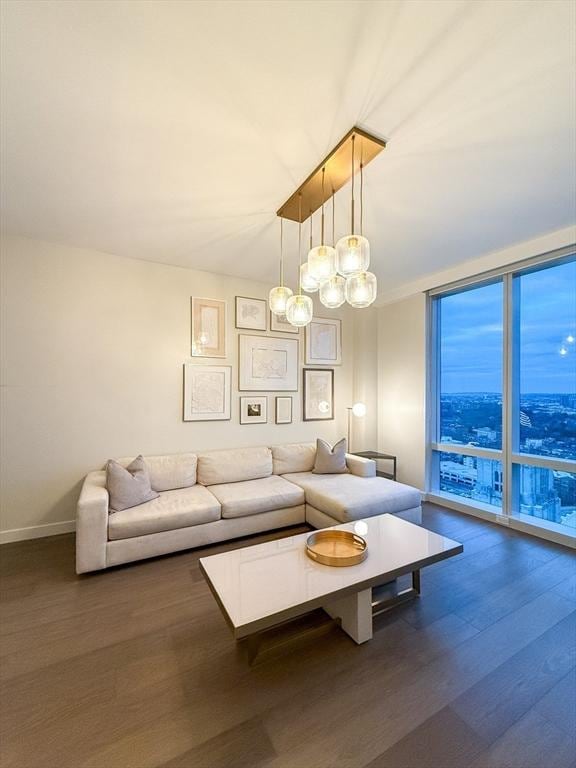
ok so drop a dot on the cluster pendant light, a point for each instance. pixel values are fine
(339, 273)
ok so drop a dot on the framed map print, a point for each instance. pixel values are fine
(267, 364)
(318, 395)
(251, 313)
(279, 323)
(208, 327)
(207, 390)
(324, 342)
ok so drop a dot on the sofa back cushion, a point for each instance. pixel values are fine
(233, 465)
(167, 473)
(294, 457)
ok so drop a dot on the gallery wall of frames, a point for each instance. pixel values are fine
(275, 362)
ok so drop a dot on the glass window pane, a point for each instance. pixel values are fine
(546, 494)
(473, 478)
(546, 416)
(470, 343)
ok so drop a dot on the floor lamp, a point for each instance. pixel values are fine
(358, 410)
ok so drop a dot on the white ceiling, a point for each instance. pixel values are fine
(172, 131)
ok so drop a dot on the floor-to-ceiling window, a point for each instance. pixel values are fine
(503, 394)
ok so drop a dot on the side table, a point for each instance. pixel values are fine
(377, 456)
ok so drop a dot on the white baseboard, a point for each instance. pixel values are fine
(37, 531)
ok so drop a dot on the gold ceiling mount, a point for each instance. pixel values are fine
(335, 170)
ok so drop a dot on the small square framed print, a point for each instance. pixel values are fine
(280, 323)
(253, 410)
(283, 410)
(251, 313)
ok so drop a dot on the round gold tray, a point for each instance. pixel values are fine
(338, 548)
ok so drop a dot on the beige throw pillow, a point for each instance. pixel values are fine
(330, 461)
(128, 487)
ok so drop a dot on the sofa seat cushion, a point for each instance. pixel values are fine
(171, 510)
(254, 496)
(348, 497)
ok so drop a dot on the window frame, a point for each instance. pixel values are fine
(509, 455)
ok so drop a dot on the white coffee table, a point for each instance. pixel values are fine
(261, 586)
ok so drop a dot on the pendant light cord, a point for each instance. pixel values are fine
(361, 197)
(300, 243)
(333, 238)
(353, 140)
(281, 252)
(322, 226)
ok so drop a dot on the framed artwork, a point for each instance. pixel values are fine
(208, 327)
(279, 323)
(267, 364)
(324, 342)
(253, 410)
(207, 390)
(251, 313)
(318, 395)
(284, 410)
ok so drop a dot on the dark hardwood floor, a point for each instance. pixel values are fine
(136, 668)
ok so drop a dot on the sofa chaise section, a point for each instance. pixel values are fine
(334, 499)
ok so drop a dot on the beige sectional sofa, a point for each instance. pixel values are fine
(218, 495)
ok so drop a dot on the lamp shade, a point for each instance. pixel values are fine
(322, 262)
(299, 310)
(359, 410)
(278, 298)
(307, 281)
(333, 292)
(352, 255)
(361, 289)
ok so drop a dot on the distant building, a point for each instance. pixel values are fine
(538, 496)
(486, 433)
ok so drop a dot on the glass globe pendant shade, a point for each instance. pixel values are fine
(361, 289)
(322, 262)
(352, 255)
(278, 299)
(333, 292)
(309, 283)
(299, 310)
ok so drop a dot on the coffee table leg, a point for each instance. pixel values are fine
(355, 615)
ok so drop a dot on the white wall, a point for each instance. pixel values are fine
(402, 386)
(92, 354)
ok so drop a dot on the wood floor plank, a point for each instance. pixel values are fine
(502, 697)
(532, 742)
(559, 704)
(442, 741)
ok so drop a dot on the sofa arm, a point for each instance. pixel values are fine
(360, 466)
(92, 524)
